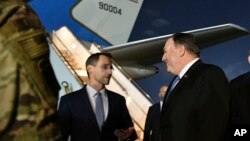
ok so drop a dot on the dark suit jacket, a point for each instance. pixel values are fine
(198, 108)
(78, 120)
(240, 100)
(152, 125)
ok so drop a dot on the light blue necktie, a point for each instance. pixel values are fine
(99, 111)
(177, 78)
(174, 83)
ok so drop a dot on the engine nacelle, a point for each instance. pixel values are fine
(139, 72)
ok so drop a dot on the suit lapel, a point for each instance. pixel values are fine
(181, 82)
(86, 106)
(110, 104)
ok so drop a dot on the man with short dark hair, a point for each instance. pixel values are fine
(94, 113)
(196, 105)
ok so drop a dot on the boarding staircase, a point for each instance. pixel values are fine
(69, 53)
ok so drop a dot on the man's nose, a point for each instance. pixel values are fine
(110, 70)
(163, 58)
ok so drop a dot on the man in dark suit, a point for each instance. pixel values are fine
(196, 105)
(80, 111)
(152, 124)
(241, 99)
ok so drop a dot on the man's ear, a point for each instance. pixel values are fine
(181, 50)
(89, 69)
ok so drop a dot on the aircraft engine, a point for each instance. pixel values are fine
(139, 72)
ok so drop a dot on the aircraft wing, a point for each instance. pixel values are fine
(139, 55)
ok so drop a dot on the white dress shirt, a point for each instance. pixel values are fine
(91, 94)
(185, 69)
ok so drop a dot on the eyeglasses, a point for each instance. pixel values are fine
(106, 67)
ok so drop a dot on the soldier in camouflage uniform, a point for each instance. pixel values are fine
(28, 88)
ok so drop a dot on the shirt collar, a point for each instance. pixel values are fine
(92, 91)
(161, 103)
(185, 69)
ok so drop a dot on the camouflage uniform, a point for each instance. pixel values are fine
(28, 88)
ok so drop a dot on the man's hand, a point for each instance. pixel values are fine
(124, 133)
